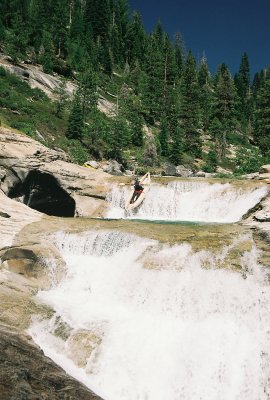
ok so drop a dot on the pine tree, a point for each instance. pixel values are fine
(211, 161)
(2, 32)
(19, 24)
(97, 14)
(223, 108)
(136, 40)
(60, 22)
(62, 97)
(88, 91)
(262, 116)
(105, 58)
(97, 134)
(242, 84)
(137, 130)
(169, 66)
(5, 13)
(75, 121)
(119, 138)
(47, 56)
(76, 27)
(176, 147)
(136, 78)
(189, 108)
(179, 54)
(131, 110)
(118, 36)
(257, 83)
(122, 16)
(158, 34)
(116, 45)
(205, 93)
(153, 91)
(218, 133)
(164, 137)
(40, 22)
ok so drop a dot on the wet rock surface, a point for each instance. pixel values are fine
(26, 373)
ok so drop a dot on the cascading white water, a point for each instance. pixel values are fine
(168, 328)
(188, 201)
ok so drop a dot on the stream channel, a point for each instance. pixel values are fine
(169, 302)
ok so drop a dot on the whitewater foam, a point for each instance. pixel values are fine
(169, 328)
(188, 201)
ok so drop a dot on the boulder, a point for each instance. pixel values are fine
(4, 215)
(44, 179)
(263, 214)
(224, 171)
(203, 174)
(107, 107)
(200, 174)
(2, 174)
(150, 156)
(254, 175)
(183, 171)
(114, 168)
(80, 345)
(169, 169)
(129, 172)
(27, 261)
(92, 164)
(265, 169)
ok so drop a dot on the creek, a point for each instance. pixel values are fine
(169, 302)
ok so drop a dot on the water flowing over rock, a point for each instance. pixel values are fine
(191, 200)
(112, 301)
(26, 373)
(154, 307)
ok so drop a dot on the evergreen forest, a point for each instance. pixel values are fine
(167, 106)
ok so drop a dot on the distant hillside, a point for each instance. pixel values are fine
(112, 91)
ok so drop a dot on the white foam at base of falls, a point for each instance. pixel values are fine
(188, 201)
(169, 328)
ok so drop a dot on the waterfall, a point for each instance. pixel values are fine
(137, 319)
(188, 201)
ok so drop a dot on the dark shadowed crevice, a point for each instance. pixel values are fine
(42, 192)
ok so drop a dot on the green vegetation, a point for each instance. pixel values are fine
(28, 110)
(149, 80)
(249, 160)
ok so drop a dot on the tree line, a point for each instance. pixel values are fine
(96, 42)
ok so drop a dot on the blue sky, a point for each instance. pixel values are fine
(222, 29)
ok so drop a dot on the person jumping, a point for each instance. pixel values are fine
(138, 189)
